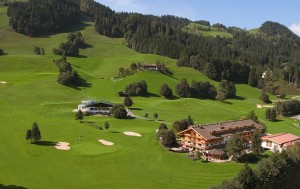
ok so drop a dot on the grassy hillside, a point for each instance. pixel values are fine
(32, 94)
(195, 28)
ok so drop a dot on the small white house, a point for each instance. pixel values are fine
(279, 142)
(94, 107)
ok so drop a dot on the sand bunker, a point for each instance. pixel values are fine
(3, 82)
(132, 134)
(259, 106)
(264, 106)
(106, 143)
(63, 146)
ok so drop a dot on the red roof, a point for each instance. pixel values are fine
(281, 138)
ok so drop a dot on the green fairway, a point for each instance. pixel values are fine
(33, 94)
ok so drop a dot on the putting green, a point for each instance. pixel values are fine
(90, 148)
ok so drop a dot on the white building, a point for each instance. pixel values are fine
(279, 142)
(94, 107)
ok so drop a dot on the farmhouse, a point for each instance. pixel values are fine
(149, 67)
(206, 137)
(279, 142)
(94, 107)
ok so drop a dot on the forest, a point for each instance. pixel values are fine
(241, 59)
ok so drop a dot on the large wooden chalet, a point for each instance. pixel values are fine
(205, 137)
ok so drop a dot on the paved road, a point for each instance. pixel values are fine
(131, 114)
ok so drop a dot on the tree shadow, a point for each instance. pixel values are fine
(148, 95)
(80, 83)
(277, 120)
(115, 132)
(173, 98)
(81, 56)
(239, 98)
(11, 187)
(45, 143)
(76, 28)
(226, 102)
(135, 108)
(86, 46)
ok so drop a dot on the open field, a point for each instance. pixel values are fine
(194, 29)
(32, 94)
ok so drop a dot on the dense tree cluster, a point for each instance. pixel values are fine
(67, 75)
(118, 111)
(71, 47)
(183, 124)
(166, 137)
(280, 170)
(270, 114)
(288, 108)
(139, 88)
(264, 97)
(227, 88)
(198, 89)
(37, 17)
(1, 51)
(39, 51)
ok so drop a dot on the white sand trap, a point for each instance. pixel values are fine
(3, 82)
(259, 106)
(106, 143)
(268, 106)
(63, 146)
(129, 133)
(156, 130)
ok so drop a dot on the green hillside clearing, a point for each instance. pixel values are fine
(33, 94)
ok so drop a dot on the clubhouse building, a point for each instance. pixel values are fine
(94, 107)
(213, 137)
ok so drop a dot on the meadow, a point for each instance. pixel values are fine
(33, 94)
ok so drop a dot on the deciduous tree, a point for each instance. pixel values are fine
(235, 147)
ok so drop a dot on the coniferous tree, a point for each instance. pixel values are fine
(166, 91)
(268, 113)
(28, 134)
(251, 115)
(246, 178)
(162, 126)
(190, 120)
(273, 115)
(182, 88)
(256, 147)
(35, 133)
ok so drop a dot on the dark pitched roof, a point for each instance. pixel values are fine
(217, 130)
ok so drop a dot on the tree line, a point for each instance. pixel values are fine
(67, 76)
(278, 171)
(242, 58)
(37, 17)
(71, 46)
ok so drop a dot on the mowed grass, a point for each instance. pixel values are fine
(214, 32)
(32, 94)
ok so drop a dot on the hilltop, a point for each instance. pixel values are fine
(31, 93)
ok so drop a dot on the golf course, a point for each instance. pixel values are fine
(29, 92)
